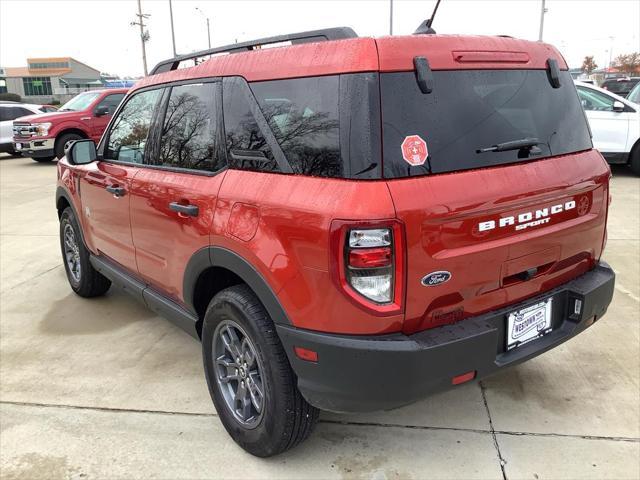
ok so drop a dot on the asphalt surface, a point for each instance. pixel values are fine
(104, 388)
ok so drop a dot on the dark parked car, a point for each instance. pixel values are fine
(620, 86)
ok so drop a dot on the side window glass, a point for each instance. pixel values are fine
(247, 149)
(128, 135)
(303, 115)
(111, 102)
(23, 112)
(11, 113)
(595, 101)
(188, 131)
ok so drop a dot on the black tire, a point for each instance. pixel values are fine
(286, 418)
(86, 281)
(63, 140)
(43, 159)
(634, 160)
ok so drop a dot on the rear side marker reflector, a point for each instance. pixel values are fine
(465, 377)
(306, 354)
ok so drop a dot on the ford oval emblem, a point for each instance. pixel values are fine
(435, 278)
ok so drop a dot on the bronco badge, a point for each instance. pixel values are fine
(435, 278)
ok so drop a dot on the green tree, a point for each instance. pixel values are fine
(589, 65)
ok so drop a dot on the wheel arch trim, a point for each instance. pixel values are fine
(61, 193)
(221, 257)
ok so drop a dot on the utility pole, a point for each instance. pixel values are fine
(208, 33)
(173, 36)
(543, 10)
(144, 36)
(208, 29)
(390, 17)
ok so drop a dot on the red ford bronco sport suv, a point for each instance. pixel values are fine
(347, 224)
(46, 136)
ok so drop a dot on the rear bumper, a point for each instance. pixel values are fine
(35, 148)
(6, 147)
(359, 374)
(616, 157)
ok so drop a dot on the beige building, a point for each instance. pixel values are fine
(44, 80)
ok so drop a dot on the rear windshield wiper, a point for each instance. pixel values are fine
(522, 144)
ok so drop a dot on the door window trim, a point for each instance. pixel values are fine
(107, 131)
(157, 122)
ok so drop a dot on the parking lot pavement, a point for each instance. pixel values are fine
(104, 388)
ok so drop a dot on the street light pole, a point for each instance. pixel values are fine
(543, 10)
(390, 17)
(173, 36)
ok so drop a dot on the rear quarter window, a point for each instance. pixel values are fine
(303, 116)
(325, 126)
(247, 146)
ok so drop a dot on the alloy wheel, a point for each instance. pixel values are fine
(72, 252)
(239, 373)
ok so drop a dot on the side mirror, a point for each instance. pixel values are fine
(618, 106)
(101, 111)
(81, 152)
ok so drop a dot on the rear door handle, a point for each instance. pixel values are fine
(189, 210)
(117, 191)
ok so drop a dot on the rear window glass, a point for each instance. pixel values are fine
(470, 110)
(303, 116)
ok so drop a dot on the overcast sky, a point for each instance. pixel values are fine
(98, 32)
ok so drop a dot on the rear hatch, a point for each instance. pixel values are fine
(504, 221)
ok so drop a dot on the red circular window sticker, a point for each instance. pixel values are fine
(414, 150)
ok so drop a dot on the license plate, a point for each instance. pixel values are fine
(528, 323)
(18, 146)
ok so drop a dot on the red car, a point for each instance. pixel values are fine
(46, 136)
(347, 224)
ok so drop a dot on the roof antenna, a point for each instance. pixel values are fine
(425, 27)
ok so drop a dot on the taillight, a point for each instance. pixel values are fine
(368, 260)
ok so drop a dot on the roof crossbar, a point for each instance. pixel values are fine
(338, 33)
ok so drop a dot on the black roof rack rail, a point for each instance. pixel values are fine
(338, 33)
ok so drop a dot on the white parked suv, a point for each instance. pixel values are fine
(9, 111)
(615, 124)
